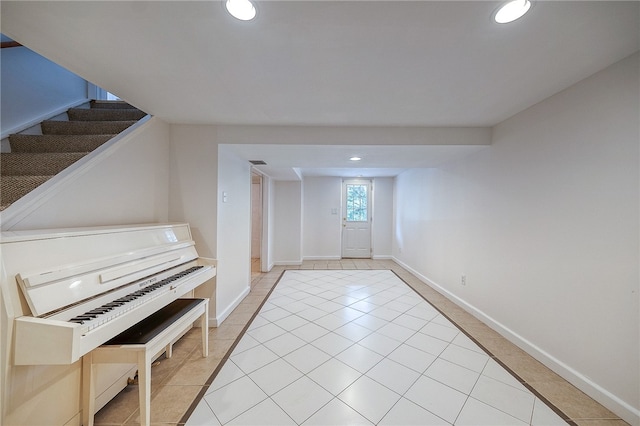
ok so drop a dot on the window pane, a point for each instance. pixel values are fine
(356, 203)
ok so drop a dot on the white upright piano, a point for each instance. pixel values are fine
(66, 292)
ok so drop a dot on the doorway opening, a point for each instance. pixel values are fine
(356, 218)
(256, 224)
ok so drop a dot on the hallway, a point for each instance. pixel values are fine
(180, 382)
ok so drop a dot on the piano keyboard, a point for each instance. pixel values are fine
(107, 312)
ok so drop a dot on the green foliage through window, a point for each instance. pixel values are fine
(357, 203)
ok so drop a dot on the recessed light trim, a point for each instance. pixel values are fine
(243, 10)
(511, 11)
(355, 158)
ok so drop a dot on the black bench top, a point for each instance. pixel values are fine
(154, 324)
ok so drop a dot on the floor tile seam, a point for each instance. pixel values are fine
(508, 384)
(312, 414)
(210, 409)
(495, 408)
(447, 384)
(530, 421)
(468, 396)
(267, 297)
(415, 403)
(364, 416)
(334, 357)
(536, 393)
(402, 395)
(247, 375)
(227, 355)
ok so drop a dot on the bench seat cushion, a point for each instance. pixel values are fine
(154, 324)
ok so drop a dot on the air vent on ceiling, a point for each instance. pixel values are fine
(258, 162)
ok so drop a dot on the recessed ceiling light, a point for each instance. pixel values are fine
(355, 158)
(243, 10)
(511, 11)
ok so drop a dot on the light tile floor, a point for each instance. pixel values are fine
(361, 347)
(343, 348)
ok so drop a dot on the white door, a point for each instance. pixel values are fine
(356, 218)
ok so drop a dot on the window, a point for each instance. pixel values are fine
(357, 203)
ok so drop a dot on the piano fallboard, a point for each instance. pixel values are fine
(75, 306)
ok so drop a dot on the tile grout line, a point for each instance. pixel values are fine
(557, 410)
(417, 287)
(226, 356)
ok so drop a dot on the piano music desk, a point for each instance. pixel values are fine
(139, 344)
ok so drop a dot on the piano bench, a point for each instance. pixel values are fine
(139, 344)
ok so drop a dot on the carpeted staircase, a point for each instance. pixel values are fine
(34, 159)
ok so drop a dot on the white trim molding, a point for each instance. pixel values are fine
(219, 318)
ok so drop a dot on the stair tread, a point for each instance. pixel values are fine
(56, 143)
(37, 158)
(13, 188)
(37, 164)
(53, 127)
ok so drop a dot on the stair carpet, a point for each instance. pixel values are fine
(34, 159)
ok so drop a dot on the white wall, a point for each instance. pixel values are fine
(193, 186)
(268, 213)
(545, 226)
(93, 195)
(193, 193)
(382, 227)
(287, 222)
(33, 87)
(234, 231)
(321, 229)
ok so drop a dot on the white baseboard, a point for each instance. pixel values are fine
(287, 262)
(322, 258)
(612, 402)
(220, 317)
(382, 257)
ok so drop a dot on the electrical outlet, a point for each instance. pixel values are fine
(463, 279)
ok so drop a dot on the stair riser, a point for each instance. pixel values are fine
(111, 105)
(106, 114)
(84, 127)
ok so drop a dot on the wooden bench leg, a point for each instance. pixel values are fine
(144, 386)
(204, 324)
(141, 354)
